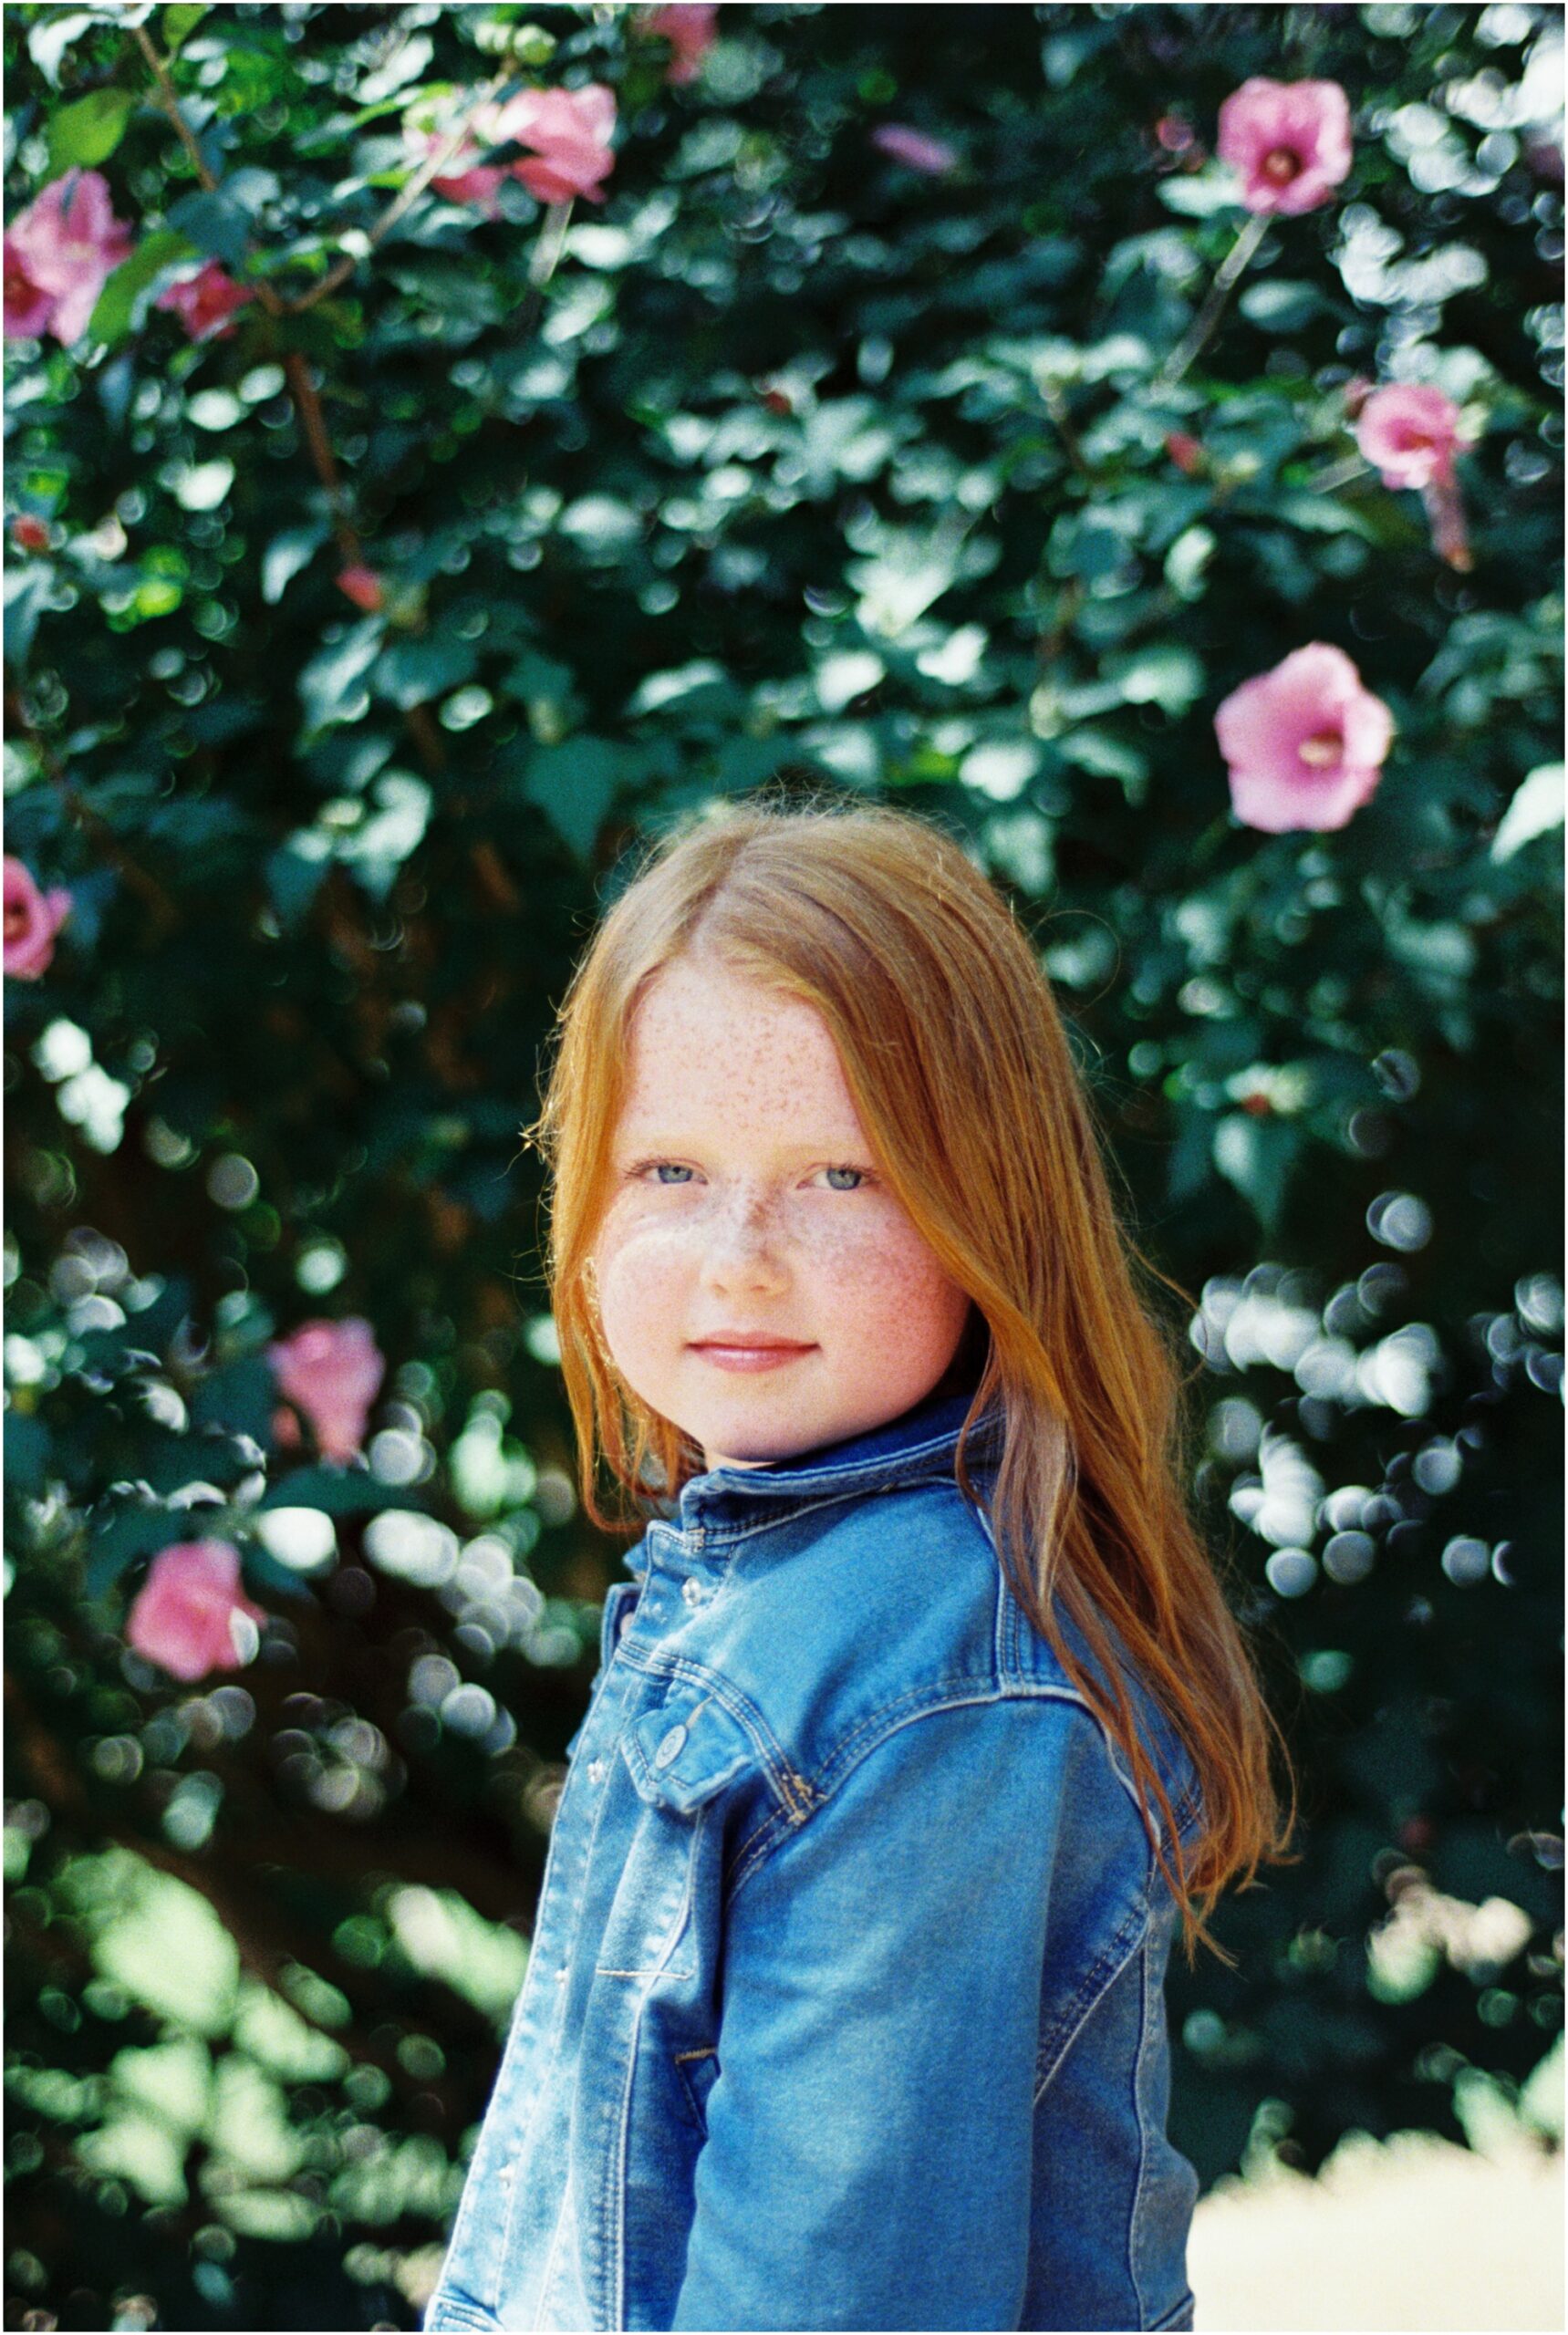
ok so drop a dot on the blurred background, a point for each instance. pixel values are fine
(445, 443)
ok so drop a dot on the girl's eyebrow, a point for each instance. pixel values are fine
(648, 1136)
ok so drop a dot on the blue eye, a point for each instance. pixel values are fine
(858, 1173)
(677, 1174)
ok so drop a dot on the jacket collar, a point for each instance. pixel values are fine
(918, 1447)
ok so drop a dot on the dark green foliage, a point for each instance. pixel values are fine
(787, 464)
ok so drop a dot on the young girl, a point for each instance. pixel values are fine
(921, 1720)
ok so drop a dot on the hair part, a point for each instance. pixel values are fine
(959, 1063)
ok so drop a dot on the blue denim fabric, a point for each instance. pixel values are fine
(845, 2005)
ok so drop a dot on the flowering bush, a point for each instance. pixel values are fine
(442, 444)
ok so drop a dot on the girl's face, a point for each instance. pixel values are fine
(759, 1285)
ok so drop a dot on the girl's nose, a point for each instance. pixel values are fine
(741, 1250)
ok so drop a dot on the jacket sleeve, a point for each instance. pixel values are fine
(867, 2162)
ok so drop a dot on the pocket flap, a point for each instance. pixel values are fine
(683, 1753)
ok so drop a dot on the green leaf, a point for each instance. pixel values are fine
(287, 554)
(1256, 1156)
(1200, 195)
(329, 684)
(220, 223)
(89, 132)
(1277, 304)
(239, 1397)
(123, 301)
(337, 1492)
(178, 24)
(573, 783)
(26, 1451)
(411, 672)
(48, 41)
(1535, 811)
(293, 875)
(135, 1531)
(29, 591)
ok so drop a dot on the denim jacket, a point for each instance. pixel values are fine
(845, 2002)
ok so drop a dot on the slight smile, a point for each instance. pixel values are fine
(740, 1351)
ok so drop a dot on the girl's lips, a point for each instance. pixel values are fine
(749, 1358)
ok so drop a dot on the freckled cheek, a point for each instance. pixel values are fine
(643, 1271)
(880, 1280)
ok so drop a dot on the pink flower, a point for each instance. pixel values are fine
(1410, 433)
(64, 247)
(688, 27)
(207, 302)
(934, 156)
(190, 1614)
(569, 130)
(466, 179)
(28, 307)
(330, 1371)
(1290, 140)
(363, 586)
(1304, 742)
(1186, 452)
(1174, 134)
(32, 919)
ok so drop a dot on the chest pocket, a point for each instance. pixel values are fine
(687, 1750)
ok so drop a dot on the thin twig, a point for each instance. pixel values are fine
(431, 167)
(1230, 268)
(1057, 407)
(168, 100)
(313, 421)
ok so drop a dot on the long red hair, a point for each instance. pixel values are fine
(956, 1056)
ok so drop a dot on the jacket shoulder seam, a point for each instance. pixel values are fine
(891, 1719)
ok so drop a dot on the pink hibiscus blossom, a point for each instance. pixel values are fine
(1410, 433)
(207, 302)
(32, 919)
(914, 148)
(569, 130)
(28, 307)
(59, 253)
(466, 179)
(688, 27)
(1304, 742)
(190, 1614)
(330, 1371)
(1289, 142)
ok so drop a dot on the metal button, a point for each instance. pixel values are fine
(669, 1748)
(561, 1975)
(595, 1771)
(694, 1592)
